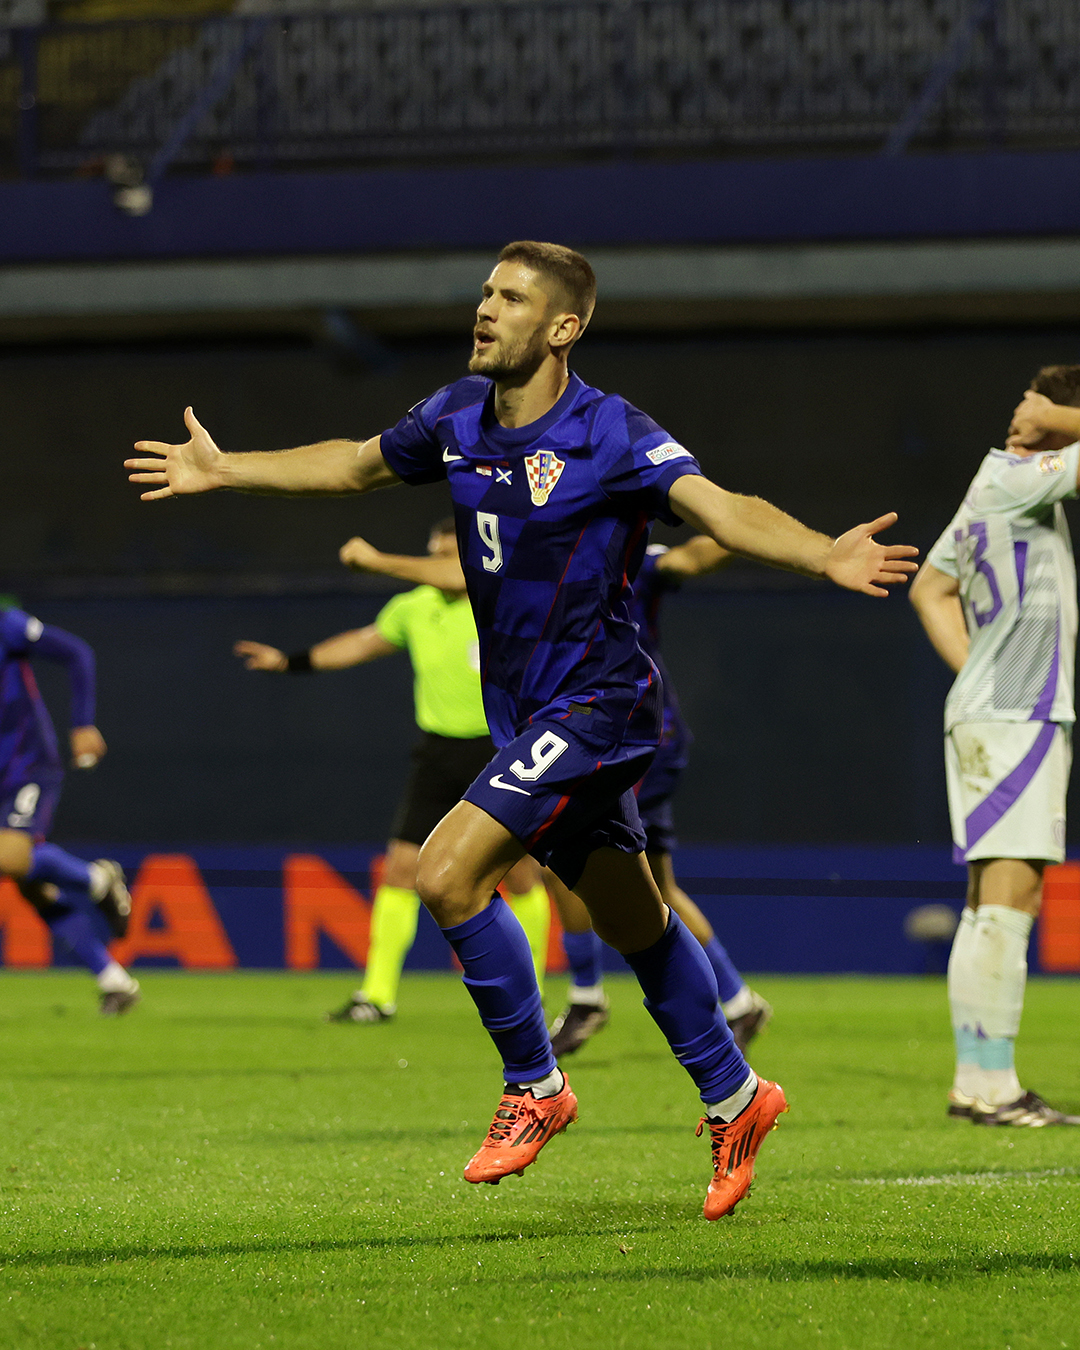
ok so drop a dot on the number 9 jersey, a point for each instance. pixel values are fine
(552, 522)
(1009, 548)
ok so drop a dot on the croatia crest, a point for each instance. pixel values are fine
(543, 469)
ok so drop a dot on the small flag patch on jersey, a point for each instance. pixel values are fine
(1051, 464)
(669, 450)
(485, 469)
(543, 469)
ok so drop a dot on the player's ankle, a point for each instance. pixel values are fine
(734, 1105)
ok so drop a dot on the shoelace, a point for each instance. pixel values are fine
(717, 1136)
(510, 1111)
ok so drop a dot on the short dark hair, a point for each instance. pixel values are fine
(448, 525)
(571, 273)
(1060, 384)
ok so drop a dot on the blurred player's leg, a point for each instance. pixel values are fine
(586, 1011)
(70, 918)
(681, 995)
(528, 898)
(65, 891)
(394, 912)
(745, 1011)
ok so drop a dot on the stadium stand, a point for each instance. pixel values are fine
(266, 86)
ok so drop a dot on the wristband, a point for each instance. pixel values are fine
(299, 663)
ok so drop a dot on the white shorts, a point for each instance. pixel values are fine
(1006, 783)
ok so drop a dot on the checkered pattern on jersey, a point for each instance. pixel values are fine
(552, 525)
(27, 740)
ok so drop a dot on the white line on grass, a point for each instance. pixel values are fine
(969, 1178)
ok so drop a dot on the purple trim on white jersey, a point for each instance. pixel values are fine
(990, 810)
(1045, 704)
(1020, 550)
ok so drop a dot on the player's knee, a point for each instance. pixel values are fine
(16, 853)
(438, 886)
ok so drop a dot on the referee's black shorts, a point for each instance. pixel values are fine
(442, 768)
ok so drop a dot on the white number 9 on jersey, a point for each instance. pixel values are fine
(488, 525)
(545, 750)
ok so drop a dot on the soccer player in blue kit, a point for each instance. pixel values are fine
(554, 485)
(62, 888)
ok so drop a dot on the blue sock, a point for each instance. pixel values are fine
(75, 927)
(500, 976)
(49, 862)
(681, 996)
(583, 953)
(728, 979)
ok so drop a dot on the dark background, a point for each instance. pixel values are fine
(817, 714)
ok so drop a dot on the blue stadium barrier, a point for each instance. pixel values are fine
(807, 910)
(617, 202)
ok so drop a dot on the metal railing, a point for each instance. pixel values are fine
(558, 78)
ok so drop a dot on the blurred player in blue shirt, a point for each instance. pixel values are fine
(555, 485)
(63, 889)
(662, 571)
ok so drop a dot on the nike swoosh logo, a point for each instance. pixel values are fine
(506, 787)
(447, 456)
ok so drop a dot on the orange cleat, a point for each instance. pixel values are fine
(521, 1127)
(735, 1144)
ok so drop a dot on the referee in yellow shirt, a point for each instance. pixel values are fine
(436, 628)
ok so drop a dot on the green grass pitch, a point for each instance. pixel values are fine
(222, 1169)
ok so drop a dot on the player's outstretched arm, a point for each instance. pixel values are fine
(1035, 416)
(331, 468)
(756, 529)
(440, 571)
(936, 597)
(353, 648)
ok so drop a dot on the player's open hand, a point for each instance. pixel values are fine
(1029, 425)
(361, 556)
(258, 656)
(175, 470)
(87, 747)
(859, 563)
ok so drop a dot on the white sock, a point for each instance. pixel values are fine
(546, 1087)
(1000, 978)
(962, 995)
(114, 979)
(591, 995)
(743, 1002)
(731, 1106)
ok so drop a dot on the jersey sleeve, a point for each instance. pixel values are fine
(392, 621)
(943, 554)
(1031, 485)
(412, 448)
(635, 456)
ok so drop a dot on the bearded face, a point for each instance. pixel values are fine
(510, 356)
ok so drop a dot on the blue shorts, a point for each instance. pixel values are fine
(654, 794)
(31, 805)
(563, 796)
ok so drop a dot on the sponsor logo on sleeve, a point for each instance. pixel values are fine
(544, 470)
(669, 450)
(1051, 464)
